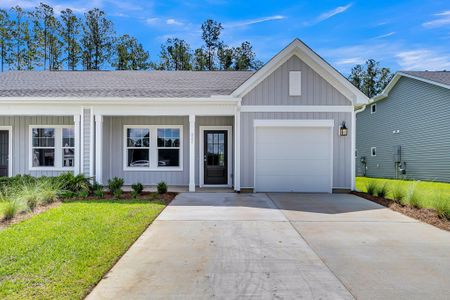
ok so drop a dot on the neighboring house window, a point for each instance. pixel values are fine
(373, 151)
(52, 147)
(138, 147)
(295, 83)
(373, 108)
(153, 147)
(168, 147)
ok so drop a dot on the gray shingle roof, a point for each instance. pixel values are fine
(436, 76)
(154, 84)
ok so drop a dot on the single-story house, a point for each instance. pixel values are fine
(287, 127)
(405, 131)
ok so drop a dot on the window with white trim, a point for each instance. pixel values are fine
(373, 151)
(52, 147)
(373, 108)
(153, 147)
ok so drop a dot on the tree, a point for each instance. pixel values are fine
(16, 58)
(97, 40)
(200, 61)
(46, 28)
(244, 57)
(175, 55)
(130, 55)
(225, 56)
(211, 36)
(30, 54)
(70, 31)
(370, 78)
(5, 38)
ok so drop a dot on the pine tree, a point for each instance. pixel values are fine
(211, 36)
(175, 55)
(46, 30)
(70, 31)
(200, 61)
(16, 57)
(244, 57)
(370, 78)
(225, 56)
(5, 38)
(130, 54)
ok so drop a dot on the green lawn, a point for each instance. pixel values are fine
(63, 252)
(426, 189)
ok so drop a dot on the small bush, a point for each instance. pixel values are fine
(137, 189)
(12, 208)
(83, 194)
(382, 190)
(67, 194)
(371, 187)
(161, 187)
(74, 183)
(97, 190)
(117, 193)
(115, 186)
(412, 198)
(442, 205)
(398, 194)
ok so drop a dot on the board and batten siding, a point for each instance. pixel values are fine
(421, 113)
(21, 140)
(274, 90)
(341, 145)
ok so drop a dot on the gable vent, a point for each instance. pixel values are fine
(295, 83)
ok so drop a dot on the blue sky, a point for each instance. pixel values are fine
(403, 35)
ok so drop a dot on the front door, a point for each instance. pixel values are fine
(4, 152)
(215, 156)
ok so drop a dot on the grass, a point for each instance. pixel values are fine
(63, 252)
(435, 195)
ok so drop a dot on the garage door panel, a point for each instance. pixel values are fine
(305, 183)
(293, 159)
(292, 167)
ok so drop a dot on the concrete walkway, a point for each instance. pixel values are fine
(231, 246)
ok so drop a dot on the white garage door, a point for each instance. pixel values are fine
(293, 159)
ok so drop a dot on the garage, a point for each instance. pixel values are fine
(293, 156)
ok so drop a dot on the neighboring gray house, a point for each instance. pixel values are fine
(277, 129)
(405, 131)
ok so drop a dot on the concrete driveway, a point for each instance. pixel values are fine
(281, 246)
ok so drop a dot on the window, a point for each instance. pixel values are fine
(43, 147)
(373, 108)
(373, 151)
(52, 147)
(168, 147)
(295, 83)
(356, 152)
(138, 147)
(153, 148)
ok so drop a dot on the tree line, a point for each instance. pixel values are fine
(44, 39)
(370, 78)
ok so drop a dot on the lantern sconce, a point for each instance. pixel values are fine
(343, 131)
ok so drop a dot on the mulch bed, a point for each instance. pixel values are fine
(425, 215)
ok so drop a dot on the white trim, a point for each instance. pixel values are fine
(372, 107)
(153, 149)
(294, 123)
(99, 148)
(237, 150)
(77, 122)
(58, 148)
(371, 151)
(91, 144)
(10, 149)
(297, 108)
(229, 130)
(313, 60)
(120, 100)
(81, 143)
(352, 155)
(192, 153)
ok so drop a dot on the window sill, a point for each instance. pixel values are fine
(166, 169)
(50, 169)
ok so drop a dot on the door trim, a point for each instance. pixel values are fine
(9, 129)
(326, 123)
(201, 172)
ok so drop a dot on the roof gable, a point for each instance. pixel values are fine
(309, 57)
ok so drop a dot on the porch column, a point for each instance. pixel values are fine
(192, 153)
(98, 148)
(237, 148)
(77, 137)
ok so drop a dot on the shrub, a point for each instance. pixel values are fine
(83, 194)
(412, 198)
(67, 194)
(382, 190)
(48, 191)
(97, 190)
(115, 186)
(442, 205)
(398, 194)
(371, 187)
(12, 208)
(161, 187)
(137, 189)
(73, 183)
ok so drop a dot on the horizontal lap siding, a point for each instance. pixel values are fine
(274, 90)
(341, 145)
(113, 139)
(421, 112)
(21, 140)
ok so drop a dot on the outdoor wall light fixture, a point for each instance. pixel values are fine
(343, 131)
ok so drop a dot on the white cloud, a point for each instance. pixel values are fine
(385, 35)
(253, 21)
(152, 21)
(349, 61)
(326, 15)
(423, 59)
(174, 22)
(442, 19)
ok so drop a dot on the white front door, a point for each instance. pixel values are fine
(293, 159)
